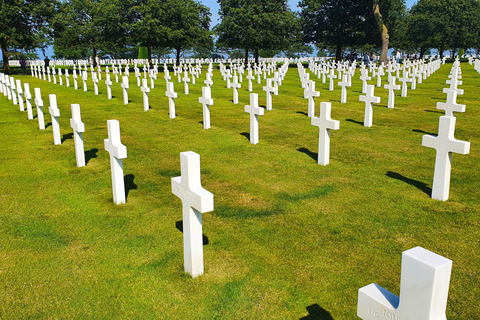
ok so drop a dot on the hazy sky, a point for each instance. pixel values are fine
(213, 5)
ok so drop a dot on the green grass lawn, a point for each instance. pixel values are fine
(288, 238)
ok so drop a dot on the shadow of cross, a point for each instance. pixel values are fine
(195, 201)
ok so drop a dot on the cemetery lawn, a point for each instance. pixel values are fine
(288, 238)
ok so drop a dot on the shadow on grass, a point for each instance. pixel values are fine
(425, 132)
(129, 184)
(309, 153)
(179, 226)
(304, 113)
(418, 184)
(263, 106)
(49, 124)
(315, 312)
(68, 136)
(355, 121)
(90, 154)
(435, 111)
(246, 135)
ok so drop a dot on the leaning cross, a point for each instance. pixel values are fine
(424, 286)
(117, 151)
(445, 144)
(325, 124)
(195, 201)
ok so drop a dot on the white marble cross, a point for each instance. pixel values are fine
(48, 74)
(254, 110)
(95, 83)
(145, 89)
(20, 95)
(369, 100)
(13, 89)
(54, 73)
(67, 78)
(451, 106)
(39, 104)
(250, 78)
(75, 83)
(206, 100)
(171, 94)
(118, 151)
(55, 114)
(344, 84)
(186, 80)
(235, 85)
(28, 101)
(404, 82)
(325, 124)
(108, 83)
(208, 81)
(276, 82)
(125, 85)
(269, 90)
(84, 78)
(78, 128)
(311, 94)
(364, 77)
(424, 284)
(391, 86)
(445, 144)
(195, 201)
(60, 79)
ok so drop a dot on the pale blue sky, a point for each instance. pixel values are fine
(213, 5)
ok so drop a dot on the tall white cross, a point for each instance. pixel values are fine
(195, 201)
(311, 94)
(13, 88)
(445, 144)
(145, 89)
(28, 101)
(84, 78)
(171, 94)
(369, 100)
(60, 79)
(55, 114)
(364, 77)
(78, 128)
(391, 86)
(404, 82)
(344, 84)
(67, 78)
(276, 82)
(250, 78)
(125, 85)
(186, 80)
(95, 83)
(325, 124)
(39, 104)
(424, 286)
(108, 83)
(206, 100)
(269, 90)
(208, 81)
(254, 110)
(451, 106)
(118, 151)
(235, 85)
(331, 76)
(20, 95)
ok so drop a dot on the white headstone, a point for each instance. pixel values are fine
(325, 124)
(117, 151)
(20, 95)
(108, 82)
(186, 80)
(39, 104)
(424, 287)
(145, 89)
(55, 114)
(78, 128)
(451, 106)
(171, 94)
(125, 85)
(95, 83)
(195, 201)
(344, 84)
(28, 101)
(446, 145)
(391, 86)
(254, 110)
(206, 101)
(311, 94)
(369, 100)
(235, 85)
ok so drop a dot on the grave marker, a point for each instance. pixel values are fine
(269, 90)
(28, 101)
(325, 124)
(145, 89)
(125, 85)
(39, 104)
(171, 94)
(55, 114)
(369, 100)
(78, 128)
(254, 112)
(20, 93)
(206, 100)
(391, 86)
(118, 151)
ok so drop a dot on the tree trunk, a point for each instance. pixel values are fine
(422, 52)
(6, 65)
(246, 56)
(383, 31)
(179, 50)
(338, 53)
(94, 57)
(149, 50)
(256, 56)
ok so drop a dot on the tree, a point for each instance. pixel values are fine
(252, 25)
(20, 21)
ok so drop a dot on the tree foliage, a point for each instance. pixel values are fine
(252, 25)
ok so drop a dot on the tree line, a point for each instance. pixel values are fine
(81, 28)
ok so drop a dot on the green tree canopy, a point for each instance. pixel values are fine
(256, 24)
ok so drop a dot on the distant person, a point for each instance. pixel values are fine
(90, 60)
(398, 56)
(47, 62)
(23, 65)
(97, 61)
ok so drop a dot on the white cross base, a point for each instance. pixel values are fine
(195, 201)
(325, 123)
(445, 144)
(117, 151)
(78, 128)
(254, 111)
(423, 290)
